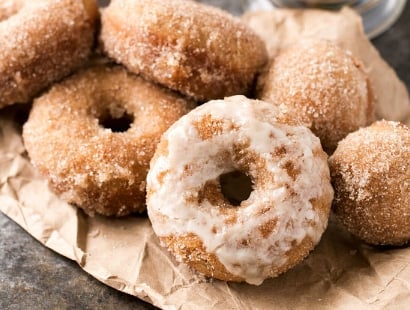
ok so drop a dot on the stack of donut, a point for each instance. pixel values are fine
(124, 135)
(208, 54)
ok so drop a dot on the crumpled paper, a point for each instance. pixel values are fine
(341, 273)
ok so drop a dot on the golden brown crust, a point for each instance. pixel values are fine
(323, 85)
(190, 250)
(91, 166)
(41, 42)
(195, 49)
(371, 175)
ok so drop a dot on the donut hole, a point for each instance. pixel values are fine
(117, 122)
(236, 187)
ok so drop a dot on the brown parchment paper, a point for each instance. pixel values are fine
(341, 273)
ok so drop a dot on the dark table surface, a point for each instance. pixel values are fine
(34, 277)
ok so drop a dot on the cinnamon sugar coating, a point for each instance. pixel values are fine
(41, 42)
(321, 84)
(371, 175)
(198, 50)
(86, 164)
(9, 8)
(267, 233)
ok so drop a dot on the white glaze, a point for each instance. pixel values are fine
(256, 120)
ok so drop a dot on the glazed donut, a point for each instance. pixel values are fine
(321, 84)
(198, 50)
(266, 233)
(371, 176)
(77, 136)
(41, 42)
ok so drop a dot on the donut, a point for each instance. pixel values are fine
(198, 50)
(371, 176)
(92, 137)
(321, 84)
(254, 235)
(41, 42)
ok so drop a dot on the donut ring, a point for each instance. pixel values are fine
(269, 232)
(96, 168)
(41, 42)
(371, 176)
(323, 85)
(198, 50)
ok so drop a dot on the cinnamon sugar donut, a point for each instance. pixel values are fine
(198, 50)
(77, 136)
(41, 42)
(261, 236)
(371, 176)
(323, 85)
